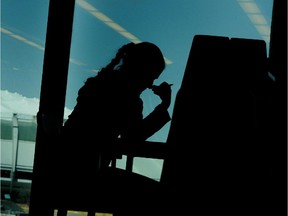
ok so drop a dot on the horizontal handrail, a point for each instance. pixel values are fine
(145, 149)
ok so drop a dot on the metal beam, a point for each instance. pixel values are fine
(52, 102)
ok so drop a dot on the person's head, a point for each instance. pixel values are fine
(140, 63)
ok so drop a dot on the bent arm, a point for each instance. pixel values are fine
(139, 129)
(155, 121)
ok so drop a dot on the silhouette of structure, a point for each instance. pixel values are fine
(217, 148)
(226, 149)
(218, 139)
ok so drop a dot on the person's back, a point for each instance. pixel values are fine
(109, 106)
(100, 115)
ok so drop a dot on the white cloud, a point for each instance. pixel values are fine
(19, 104)
(15, 69)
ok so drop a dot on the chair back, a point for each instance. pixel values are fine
(215, 138)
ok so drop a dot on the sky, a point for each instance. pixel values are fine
(102, 26)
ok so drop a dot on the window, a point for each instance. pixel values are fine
(23, 31)
(100, 28)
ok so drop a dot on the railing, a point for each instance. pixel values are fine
(18, 135)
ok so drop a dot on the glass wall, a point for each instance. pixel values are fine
(100, 28)
(23, 31)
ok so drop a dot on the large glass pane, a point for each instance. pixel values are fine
(101, 27)
(23, 31)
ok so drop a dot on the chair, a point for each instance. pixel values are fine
(217, 144)
(211, 157)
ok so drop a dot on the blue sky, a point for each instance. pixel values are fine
(102, 26)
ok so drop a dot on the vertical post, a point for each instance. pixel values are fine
(129, 163)
(62, 212)
(52, 102)
(91, 213)
(278, 67)
(15, 142)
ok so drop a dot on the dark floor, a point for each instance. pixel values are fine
(11, 208)
(15, 202)
(15, 198)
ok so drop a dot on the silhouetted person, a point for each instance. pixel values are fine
(109, 106)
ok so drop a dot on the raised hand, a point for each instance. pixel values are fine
(164, 92)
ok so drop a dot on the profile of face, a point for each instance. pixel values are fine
(144, 63)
